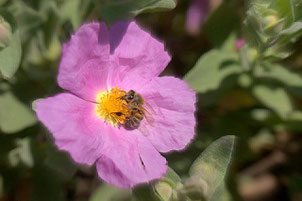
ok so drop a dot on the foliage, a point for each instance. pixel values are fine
(252, 92)
(114, 10)
(10, 52)
(206, 175)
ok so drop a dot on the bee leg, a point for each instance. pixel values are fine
(131, 108)
(117, 113)
(136, 120)
(128, 125)
(123, 98)
(132, 124)
(140, 117)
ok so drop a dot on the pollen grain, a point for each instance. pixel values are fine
(111, 108)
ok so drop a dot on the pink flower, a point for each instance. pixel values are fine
(239, 43)
(196, 15)
(97, 67)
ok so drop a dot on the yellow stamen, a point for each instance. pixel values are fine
(111, 108)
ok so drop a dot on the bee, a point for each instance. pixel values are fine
(136, 104)
(133, 99)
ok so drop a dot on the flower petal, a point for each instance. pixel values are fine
(91, 80)
(129, 159)
(174, 105)
(88, 51)
(139, 55)
(74, 125)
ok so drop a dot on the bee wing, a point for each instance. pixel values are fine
(149, 112)
(143, 129)
(149, 119)
(149, 109)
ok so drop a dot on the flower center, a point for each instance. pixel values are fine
(111, 107)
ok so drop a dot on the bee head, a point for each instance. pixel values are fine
(130, 94)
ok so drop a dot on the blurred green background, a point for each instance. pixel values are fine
(244, 60)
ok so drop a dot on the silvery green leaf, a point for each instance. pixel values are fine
(210, 168)
(166, 188)
(14, 115)
(145, 192)
(21, 154)
(2, 2)
(60, 163)
(279, 73)
(71, 11)
(163, 190)
(275, 98)
(211, 70)
(5, 33)
(293, 29)
(10, 55)
(106, 192)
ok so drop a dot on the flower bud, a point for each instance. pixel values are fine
(195, 188)
(270, 21)
(5, 33)
(164, 190)
(239, 43)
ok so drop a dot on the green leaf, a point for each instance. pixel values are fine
(272, 27)
(285, 9)
(264, 138)
(71, 11)
(224, 17)
(229, 43)
(49, 180)
(163, 190)
(293, 122)
(14, 115)
(264, 25)
(29, 20)
(210, 168)
(172, 176)
(291, 34)
(7, 144)
(112, 11)
(2, 2)
(21, 154)
(158, 5)
(60, 163)
(211, 70)
(166, 188)
(106, 192)
(279, 73)
(47, 185)
(10, 56)
(274, 98)
(297, 4)
(221, 194)
(144, 192)
(5, 33)
(293, 29)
